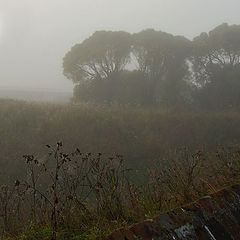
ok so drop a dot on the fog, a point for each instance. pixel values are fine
(36, 34)
(113, 111)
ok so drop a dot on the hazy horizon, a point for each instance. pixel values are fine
(35, 35)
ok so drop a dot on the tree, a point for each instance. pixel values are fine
(215, 53)
(99, 57)
(216, 67)
(220, 94)
(162, 58)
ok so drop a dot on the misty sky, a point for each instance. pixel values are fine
(36, 34)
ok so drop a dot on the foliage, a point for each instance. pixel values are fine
(163, 69)
(102, 55)
(73, 193)
(162, 58)
(216, 53)
(85, 196)
(139, 134)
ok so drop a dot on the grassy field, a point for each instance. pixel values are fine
(138, 134)
(156, 144)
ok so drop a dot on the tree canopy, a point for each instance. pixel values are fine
(98, 57)
(216, 52)
(154, 67)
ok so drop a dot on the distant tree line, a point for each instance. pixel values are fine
(155, 68)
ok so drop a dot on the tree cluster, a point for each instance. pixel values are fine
(157, 68)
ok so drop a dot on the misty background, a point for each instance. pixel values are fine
(35, 35)
(128, 109)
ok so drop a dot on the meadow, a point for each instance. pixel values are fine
(135, 161)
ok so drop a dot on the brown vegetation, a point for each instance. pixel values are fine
(75, 194)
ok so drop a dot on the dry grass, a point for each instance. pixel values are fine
(103, 194)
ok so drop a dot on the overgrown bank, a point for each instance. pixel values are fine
(95, 189)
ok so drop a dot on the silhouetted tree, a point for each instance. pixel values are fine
(216, 52)
(168, 68)
(98, 57)
(216, 66)
(162, 58)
